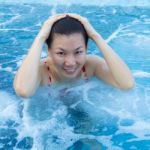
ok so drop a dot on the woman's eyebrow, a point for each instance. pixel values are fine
(78, 48)
(62, 49)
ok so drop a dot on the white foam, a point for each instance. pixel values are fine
(53, 126)
(16, 29)
(114, 34)
(115, 103)
(9, 62)
(10, 21)
(85, 2)
(8, 69)
(141, 74)
(8, 107)
(140, 128)
(37, 129)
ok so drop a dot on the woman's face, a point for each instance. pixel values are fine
(68, 53)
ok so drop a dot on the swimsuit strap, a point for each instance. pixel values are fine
(49, 72)
(84, 73)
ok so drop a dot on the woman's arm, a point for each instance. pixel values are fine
(111, 69)
(115, 70)
(28, 76)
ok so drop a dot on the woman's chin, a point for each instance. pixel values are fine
(70, 75)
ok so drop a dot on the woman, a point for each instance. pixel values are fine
(66, 36)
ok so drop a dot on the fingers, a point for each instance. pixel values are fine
(78, 17)
(53, 19)
(57, 17)
(87, 25)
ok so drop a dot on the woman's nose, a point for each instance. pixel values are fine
(70, 60)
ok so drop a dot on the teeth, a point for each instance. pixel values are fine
(70, 70)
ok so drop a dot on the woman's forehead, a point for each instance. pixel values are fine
(72, 35)
(73, 40)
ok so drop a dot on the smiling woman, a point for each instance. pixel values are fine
(68, 53)
(66, 36)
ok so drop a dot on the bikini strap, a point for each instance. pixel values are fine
(84, 72)
(49, 72)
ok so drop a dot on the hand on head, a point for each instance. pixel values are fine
(88, 27)
(46, 28)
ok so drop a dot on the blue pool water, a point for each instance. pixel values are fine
(83, 115)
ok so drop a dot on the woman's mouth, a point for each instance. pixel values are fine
(69, 70)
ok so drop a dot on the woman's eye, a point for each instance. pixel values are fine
(79, 52)
(60, 53)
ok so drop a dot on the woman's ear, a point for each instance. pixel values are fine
(48, 51)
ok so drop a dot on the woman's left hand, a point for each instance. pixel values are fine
(92, 33)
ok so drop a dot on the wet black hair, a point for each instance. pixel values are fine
(66, 26)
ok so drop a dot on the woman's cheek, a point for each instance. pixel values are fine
(58, 60)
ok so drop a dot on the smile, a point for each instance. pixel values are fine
(70, 71)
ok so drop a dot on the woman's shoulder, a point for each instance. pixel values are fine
(92, 62)
(94, 59)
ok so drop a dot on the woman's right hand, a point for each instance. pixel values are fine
(46, 28)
